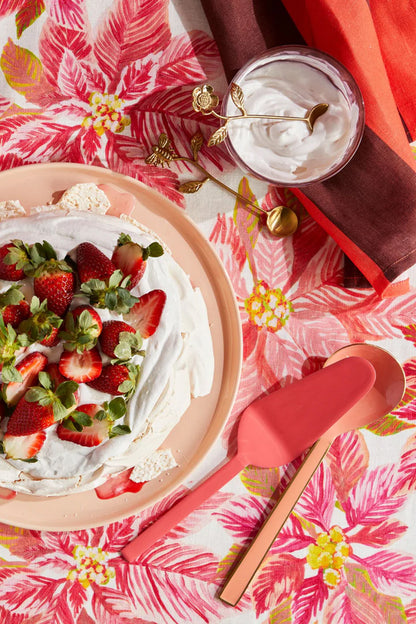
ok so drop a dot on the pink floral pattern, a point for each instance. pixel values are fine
(97, 86)
(103, 97)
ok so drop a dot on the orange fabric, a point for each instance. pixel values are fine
(395, 22)
(346, 31)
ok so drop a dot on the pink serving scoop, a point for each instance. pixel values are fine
(272, 431)
(385, 394)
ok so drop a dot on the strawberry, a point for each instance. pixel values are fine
(92, 263)
(15, 314)
(131, 257)
(118, 484)
(42, 406)
(145, 314)
(13, 306)
(3, 410)
(52, 340)
(57, 378)
(92, 433)
(53, 278)
(54, 281)
(116, 379)
(23, 447)
(81, 367)
(91, 424)
(120, 340)
(96, 319)
(112, 294)
(42, 326)
(29, 417)
(83, 325)
(28, 368)
(14, 256)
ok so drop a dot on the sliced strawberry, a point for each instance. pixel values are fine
(29, 368)
(7, 494)
(81, 367)
(54, 281)
(13, 256)
(118, 484)
(119, 340)
(131, 257)
(92, 263)
(23, 446)
(116, 379)
(89, 435)
(145, 314)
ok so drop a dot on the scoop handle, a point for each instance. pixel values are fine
(182, 508)
(246, 568)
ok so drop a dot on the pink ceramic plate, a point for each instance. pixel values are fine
(202, 423)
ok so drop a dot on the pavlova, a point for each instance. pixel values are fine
(103, 344)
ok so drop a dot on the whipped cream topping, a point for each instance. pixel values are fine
(178, 363)
(286, 151)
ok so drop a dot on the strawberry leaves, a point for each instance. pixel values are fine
(109, 412)
(81, 332)
(129, 345)
(114, 296)
(62, 400)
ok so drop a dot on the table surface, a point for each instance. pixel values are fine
(96, 83)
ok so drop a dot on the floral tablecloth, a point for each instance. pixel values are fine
(96, 83)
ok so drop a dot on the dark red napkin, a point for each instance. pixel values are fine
(369, 208)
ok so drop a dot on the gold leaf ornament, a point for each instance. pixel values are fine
(237, 97)
(197, 142)
(218, 136)
(192, 186)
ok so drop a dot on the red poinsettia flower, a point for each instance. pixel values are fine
(102, 95)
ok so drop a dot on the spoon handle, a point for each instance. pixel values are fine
(246, 568)
(182, 508)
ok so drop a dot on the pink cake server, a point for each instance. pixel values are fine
(387, 391)
(272, 431)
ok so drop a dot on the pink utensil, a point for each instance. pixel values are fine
(272, 431)
(386, 393)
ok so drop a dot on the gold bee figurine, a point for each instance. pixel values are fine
(162, 153)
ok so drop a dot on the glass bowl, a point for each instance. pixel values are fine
(289, 81)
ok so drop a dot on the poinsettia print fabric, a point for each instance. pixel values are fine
(97, 83)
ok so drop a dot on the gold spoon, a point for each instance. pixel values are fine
(205, 101)
(310, 118)
(281, 221)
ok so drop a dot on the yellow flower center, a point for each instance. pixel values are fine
(329, 553)
(268, 308)
(90, 566)
(106, 113)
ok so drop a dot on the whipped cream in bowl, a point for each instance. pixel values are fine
(289, 81)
